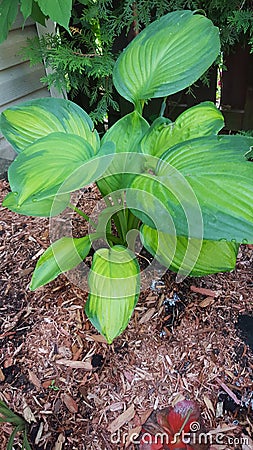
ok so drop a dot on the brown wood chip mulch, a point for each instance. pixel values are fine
(78, 393)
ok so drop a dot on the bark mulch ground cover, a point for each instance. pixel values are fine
(189, 340)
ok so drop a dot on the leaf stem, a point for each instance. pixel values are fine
(132, 222)
(163, 107)
(139, 106)
(81, 213)
(122, 223)
(102, 235)
(114, 239)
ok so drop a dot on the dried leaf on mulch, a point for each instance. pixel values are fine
(34, 379)
(206, 302)
(209, 404)
(86, 365)
(60, 441)
(204, 291)
(123, 418)
(70, 403)
(27, 413)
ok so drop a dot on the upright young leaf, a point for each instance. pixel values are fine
(23, 124)
(126, 134)
(114, 284)
(201, 120)
(61, 256)
(8, 13)
(166, 57)
(190, 256)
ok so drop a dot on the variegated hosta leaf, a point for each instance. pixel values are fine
(61, 256)
(165, 203)
(200, 120)
(126, 134)
(23, 124)
(216, 172)
(114, 284)
(58, 163)
(190, 256)
(47, 207)
(166, 57)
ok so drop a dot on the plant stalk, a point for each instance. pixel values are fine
(81, 213)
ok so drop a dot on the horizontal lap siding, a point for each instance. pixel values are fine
(10, 49)
(18, 81)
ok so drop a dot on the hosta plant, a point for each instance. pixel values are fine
(179, 188)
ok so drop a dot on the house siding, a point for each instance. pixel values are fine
(19, 81)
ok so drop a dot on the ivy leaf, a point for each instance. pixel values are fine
(114, 284)
(26, 8)
(31, 8)
(58, 10)
(38, 15)
(61, 256)
(8, 13)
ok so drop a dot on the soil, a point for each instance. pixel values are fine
(189, 340)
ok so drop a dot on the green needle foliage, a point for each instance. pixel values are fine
(19, 424)
(83, 62)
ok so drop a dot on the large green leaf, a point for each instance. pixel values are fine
(200, 120)
(23, 124)
(166, 57)
(190, 256)
(215, 171)
(8, 13)
(58, 10)
(126, 134)
(47, 207)
(114, 284)
(61, 256)
(59, 163)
